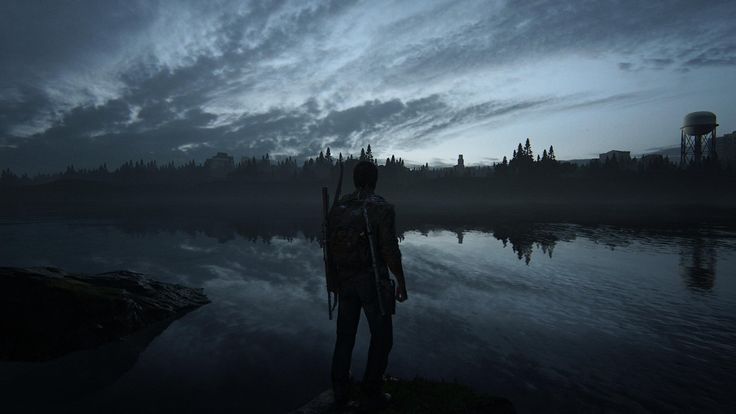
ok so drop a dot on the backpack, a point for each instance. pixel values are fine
(348, 240)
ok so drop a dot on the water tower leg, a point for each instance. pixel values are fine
(683, 149)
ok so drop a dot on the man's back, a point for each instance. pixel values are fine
(349, 244)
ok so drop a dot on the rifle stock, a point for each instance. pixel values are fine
(374, 263)
(329, 269)
(325, 251)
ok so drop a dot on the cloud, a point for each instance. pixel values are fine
(136, 79)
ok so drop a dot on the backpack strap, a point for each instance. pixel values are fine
(369, 233)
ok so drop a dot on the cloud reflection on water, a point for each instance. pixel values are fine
(604, 321)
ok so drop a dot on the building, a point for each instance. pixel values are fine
(459, 169)
(619, 156)
(220, 165)
(726, 148)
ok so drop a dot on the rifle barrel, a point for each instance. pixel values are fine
(325, 252)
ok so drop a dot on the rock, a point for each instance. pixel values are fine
(419, 396)
(46, 312)
(320, 404)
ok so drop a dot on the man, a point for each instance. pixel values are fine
(357, 221)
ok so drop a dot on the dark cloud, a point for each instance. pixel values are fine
(39, 37)
(94, 135)
(621, 98)
(714, 56)
(659, 63)
(20, 107)
(525, 30)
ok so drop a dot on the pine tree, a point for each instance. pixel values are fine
(369, 154)
(528, 150)
(362, 154)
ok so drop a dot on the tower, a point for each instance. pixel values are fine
(460, 161)
(698, 137)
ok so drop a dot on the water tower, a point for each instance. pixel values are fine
(698, 137)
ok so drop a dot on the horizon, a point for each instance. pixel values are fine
(379, 160)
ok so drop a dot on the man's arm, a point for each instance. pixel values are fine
(390, 251)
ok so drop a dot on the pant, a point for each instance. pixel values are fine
(355, 294)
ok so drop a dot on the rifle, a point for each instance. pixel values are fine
(373, 258)
(329, 268)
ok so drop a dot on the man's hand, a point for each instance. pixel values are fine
(401, 293)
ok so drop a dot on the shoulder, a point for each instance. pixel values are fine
(381, 204)
(377, 200)
(347, 198)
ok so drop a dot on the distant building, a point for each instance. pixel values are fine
(726, 148)
(460, 167)
(620, 156)
(220, 165)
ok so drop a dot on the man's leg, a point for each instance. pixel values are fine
(348, 316)
(381, 343)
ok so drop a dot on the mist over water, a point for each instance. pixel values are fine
(554, 317)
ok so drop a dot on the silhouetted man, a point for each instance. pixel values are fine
(357, 221)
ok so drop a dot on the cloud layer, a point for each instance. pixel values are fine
(86, 83)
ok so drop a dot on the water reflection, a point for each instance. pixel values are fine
(556, 317)
(697, 246)
(698, 264)
(524, 237)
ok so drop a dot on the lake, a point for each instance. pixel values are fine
(555, 317)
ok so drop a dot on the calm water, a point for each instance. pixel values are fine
(553, 317)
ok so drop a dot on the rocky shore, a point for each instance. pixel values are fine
(421, 397)
(46, 312)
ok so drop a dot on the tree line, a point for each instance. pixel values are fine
(522, 165)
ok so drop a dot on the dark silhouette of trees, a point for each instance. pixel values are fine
(525, 175)
(523, 162)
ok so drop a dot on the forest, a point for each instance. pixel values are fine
(527, 185)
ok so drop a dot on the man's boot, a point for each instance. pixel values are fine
(341, 393)
(376, 402)
(373, 398)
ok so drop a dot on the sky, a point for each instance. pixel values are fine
(87, 82)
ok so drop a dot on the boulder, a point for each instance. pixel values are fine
(46, 312)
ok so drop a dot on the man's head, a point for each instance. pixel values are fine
(365, 175)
